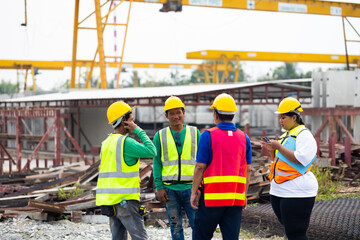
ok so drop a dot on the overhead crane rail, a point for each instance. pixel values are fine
(59, 65)
(293, 6)
(272, 56)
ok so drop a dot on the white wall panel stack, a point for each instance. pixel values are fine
(334, 89)
(357, 104)
(317, 99)
(340, 88)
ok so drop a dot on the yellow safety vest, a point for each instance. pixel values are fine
(116, 179)
(178, 168)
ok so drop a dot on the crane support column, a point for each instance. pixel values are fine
(100, 44)
(76, 25)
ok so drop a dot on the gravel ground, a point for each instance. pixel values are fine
(21, 228)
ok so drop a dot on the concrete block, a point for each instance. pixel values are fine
(95, 219)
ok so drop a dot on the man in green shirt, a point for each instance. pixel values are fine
(118, 186)
(173, 167)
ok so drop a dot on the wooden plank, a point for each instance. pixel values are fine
(71, 178)
(143, 171)
(24, 209)
(161, 223)
(19, 197)
(76, 216)
(81, 206)
(72, 202)
(54, 190)
(42, 197)
(46, 206)
(40, 216)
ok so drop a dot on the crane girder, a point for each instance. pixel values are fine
(59, 65)
(218, 55)
(221, 60)
(293, 6)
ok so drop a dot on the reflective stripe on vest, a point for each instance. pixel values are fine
(225, 177)
(282, 169)
(176, 168)
(116, 179)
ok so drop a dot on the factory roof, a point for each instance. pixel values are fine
(243, 93)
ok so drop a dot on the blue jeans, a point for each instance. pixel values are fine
(178, 200)
(128, 219)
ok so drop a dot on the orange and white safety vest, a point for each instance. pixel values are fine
(282, 169)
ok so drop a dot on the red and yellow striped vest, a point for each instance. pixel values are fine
(225, 177)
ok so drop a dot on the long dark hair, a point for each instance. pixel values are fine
(298, 118)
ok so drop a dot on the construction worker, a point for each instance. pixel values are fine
(118, 186)
(293, 187)
(223, 164)
(174, 165)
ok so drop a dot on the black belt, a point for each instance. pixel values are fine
(177, 182)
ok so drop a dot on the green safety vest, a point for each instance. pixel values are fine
(178, 168)
(116, 179)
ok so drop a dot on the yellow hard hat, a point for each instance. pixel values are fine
(224, 104)
(289, 104)
(173, 102)
(117, 110)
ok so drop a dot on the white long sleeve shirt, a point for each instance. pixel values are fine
(305, 185)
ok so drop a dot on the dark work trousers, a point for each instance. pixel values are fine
(207, 218)
(294, 214)
(128, 219)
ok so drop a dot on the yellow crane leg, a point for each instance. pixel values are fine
(123, 47)
(100, 44)
(237, 68)
(25, 83)
(33, 78)
(75, 36)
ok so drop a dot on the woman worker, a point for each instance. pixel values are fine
(293, 187)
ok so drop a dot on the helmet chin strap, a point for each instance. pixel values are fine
(116, 123)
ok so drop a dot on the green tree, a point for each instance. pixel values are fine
(286, 71)
(7, 87)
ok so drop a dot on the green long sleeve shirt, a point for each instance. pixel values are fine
(157, 164)
(134, 150)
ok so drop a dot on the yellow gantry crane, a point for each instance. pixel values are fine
(319, 7)
(221, 61)
(331, 8)
(34, 66)
(101, 23)
(293, 6)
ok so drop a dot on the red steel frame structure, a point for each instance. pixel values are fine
(262, 94)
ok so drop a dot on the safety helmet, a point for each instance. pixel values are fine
(224, 104)
(289, 104)
(173, 102)
(116, 111)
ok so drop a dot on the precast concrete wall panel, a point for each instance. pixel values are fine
(340, 88)
(317, 87)
(323, 95)
(357, 104)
